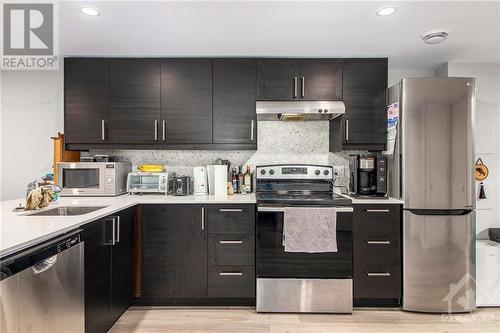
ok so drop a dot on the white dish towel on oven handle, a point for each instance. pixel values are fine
(310, 229)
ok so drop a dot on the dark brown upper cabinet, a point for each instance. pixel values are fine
(299, 79)
(186, 101)
(363, 126)
(320, 80)
(234, 93)
(86, 91)
(134, 101)
(277, 79)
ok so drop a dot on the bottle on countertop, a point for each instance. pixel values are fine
(241, 182)
(234, 180)
(248, 180)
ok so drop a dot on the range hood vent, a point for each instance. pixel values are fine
(299, 110)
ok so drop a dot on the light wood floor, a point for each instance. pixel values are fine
(246, 320)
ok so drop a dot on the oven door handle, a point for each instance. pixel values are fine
(346, 209)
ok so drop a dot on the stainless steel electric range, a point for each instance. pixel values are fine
(296, 281)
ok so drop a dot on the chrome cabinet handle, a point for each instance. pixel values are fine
(377, 210)
(231, 242)
(44, 265)
(103, 130)
(378, 274)
(347, 130)
(295, 87)
(251, 130)
(164, 130)
(113, 232)
(118, 229)
(303, 87)
(231, 210)
(156, 130)
(230, 273)
(202, 218)
(376, 242)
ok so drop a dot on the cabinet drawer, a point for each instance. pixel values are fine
(376, 219)
(231, 250)
(231, 219)
(377, 282)
(381, 251)
(231, 281)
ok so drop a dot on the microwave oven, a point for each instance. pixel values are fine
(93, 178)
(146, 182)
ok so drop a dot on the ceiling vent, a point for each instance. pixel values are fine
(435, 36)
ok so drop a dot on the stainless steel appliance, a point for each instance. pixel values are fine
(368, 175)
(93, 178)
(298, 281)
(42, 288)
(182, 185)
(200, 186)
(299, 110)
(147, 182)
(432, 170)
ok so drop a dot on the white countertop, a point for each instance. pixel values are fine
(19, 230)
(368, 201)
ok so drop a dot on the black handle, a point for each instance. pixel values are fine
(439, 212)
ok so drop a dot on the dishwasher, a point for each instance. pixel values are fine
(42, 288)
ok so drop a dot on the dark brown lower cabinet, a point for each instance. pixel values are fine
(174, 252)
(97, 275)
(197, 254)
(108, 270)
(377, 265)
(122, 265)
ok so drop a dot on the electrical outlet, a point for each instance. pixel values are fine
(338, 171)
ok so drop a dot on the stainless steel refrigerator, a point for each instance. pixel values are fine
(431, 169)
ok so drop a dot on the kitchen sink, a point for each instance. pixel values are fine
(68, 211)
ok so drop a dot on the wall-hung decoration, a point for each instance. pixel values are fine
(482, 193)
(482, 171)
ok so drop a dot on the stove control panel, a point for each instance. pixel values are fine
(321, 172)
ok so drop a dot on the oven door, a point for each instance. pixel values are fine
(83, 179)
(274, 262)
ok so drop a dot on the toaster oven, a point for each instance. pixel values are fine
(147, 182)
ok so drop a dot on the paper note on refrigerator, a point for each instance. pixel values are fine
(392, 127)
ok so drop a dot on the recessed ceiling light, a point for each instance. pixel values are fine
(386, 11)
(435, 36)
(90, 11)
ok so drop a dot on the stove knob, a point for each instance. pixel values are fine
(326, 172)
(317, 172)
(271, 172)
(263, 172)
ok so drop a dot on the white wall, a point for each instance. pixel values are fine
(395, 75)
(31, 112)
(487, 136)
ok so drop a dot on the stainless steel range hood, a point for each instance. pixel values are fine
(299, 110)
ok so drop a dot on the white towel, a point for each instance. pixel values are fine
(310, 230)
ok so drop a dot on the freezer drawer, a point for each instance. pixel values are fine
(438, 263)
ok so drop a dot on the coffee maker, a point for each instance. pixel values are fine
(368, 175)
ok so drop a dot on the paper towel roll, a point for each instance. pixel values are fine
(211, 179)
(220, 180)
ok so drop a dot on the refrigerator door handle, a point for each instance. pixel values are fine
(440, 212)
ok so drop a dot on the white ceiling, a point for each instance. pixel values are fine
(277, 28)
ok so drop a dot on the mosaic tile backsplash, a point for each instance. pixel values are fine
(278, 142)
